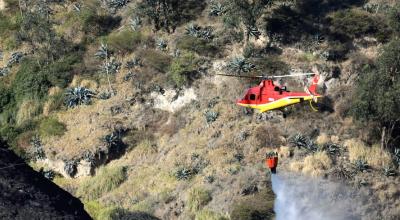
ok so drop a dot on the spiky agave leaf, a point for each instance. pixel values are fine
(183, 173)
(361, 164)
(240, 65)
(15, 57)
(102, 52)
(111, 67)
(193, 30)
(135, 23)
(211, 116)
(135, 62)
(253, 31)
(216, 9)
(389, 171)
(78, 96)
(4, 71)
(162, 44)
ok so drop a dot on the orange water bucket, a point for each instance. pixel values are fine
(272, 163)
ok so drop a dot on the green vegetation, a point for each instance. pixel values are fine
(209, 215)
(183, 69)
(375, 97)
(157, 60)
(259, 206)
(197, 45)
(355, 23)
(198, 198)
(107, 179)
(125, 41)
(51, 127)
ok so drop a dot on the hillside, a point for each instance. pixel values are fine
(120, 102)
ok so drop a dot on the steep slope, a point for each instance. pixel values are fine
(26, 194)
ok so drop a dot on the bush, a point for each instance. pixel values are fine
(157, 60)
(197, 45)
(125, 41)
(198, 198)
(258, 206)
(209, 215)
(30, 81)
(355, 23)
(183, 69)
(51, 127)
(107, 179)
(394, 18)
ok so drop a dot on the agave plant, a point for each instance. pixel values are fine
(135, 62)
(78, 96)
(113, 141)
(70, 168)
(196, 31)
(48, 174)
(15, 58)
(114, 5)
(135, 23)
(216, 9)
(37, 148)
(211, 116)
(193, 30)
(105, 95)
(302, 141)
(183, 173)
(252, 31)
(389, 171)
(129, 76)
(162, 44)
(240, 65)
(361, 165)
(4, 71)
(397, 156)
(102, 52)
(331, 148)
(111, 67)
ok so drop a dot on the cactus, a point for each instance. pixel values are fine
(240, 65)
(135, 23)
(78, 96)
(216, 9)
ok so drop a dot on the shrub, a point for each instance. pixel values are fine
(107, 179)
(258, 206)
(374, 155)
(394, 18)
(51, 127)
(197, 45)
(355, 23)
(183, 69)
(125, 41)
(157, 60)
(198, 198)
(210, 215)
(314, 164)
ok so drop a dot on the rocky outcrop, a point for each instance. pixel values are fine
(26, 194)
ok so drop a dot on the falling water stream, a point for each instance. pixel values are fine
(301, 198)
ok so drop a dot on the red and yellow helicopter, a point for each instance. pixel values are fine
(268, 96)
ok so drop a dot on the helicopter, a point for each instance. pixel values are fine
(267, 96)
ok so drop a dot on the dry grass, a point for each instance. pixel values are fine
(28, 110)
(322, 139)
(210, 215)
(313, 165)
(375, 156)
(285, 152)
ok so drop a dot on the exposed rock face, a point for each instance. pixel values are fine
(26, 194)
(2, 4)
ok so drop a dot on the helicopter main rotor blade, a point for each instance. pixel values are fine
(268, 77)
(239, 76)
